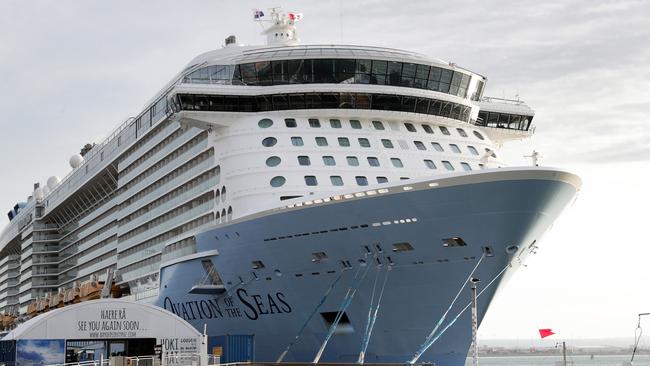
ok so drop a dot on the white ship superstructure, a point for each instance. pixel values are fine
(240, 133)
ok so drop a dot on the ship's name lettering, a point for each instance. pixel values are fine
(252, 306)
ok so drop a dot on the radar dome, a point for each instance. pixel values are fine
(53, 181)
(76, 161)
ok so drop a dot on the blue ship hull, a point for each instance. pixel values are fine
(500, 215)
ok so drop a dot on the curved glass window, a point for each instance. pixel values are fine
(215, 74)
(361, 180)
(387, 143)
(373, 161)
(349, 71)
(419, 145)
(265, 123)
(344, 141)
(297, 141)
(447, 165)
(472, 150)
(336, 180)
(478, 135)
(304, 160)
(329, 100)
(397, 163)
(352, 161)
(381, 180)
(503, 120)
(329, 160)
(455, 148)
(378, 125)
(430, 164)
(278, 181)
(269, 141)
(356, 125)
(335, 123)
(437, 147)
(273, 161)
(290, 122)
(321, 141)
(363, 142)
(311, 180)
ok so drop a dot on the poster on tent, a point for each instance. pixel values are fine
(32, 352)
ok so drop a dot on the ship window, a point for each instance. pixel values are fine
(223, 194)
(361, 180)
(453, 242)
(265, 123)
(278, 181)
(314, 123)
(387, 143)
(336, 180)
(269, 141)
(444, 130)
(410, 127)
(461, 132)
(466, 167)
(257, 264)
(419, 145)
(430, 164)
(273, 161)
(381, 180)
(355, 124)
(318, 256)
(402, 247)
(363, 142)
(352, 161)
(335, 123)
(437, 147)
(481, 166)
(290, 122)
(329, 160)
(284, 198)
(491, 152)
(478, 135)
(378, 125)
(343, 141)
(321, 141)
(344, 325)
(297, 141)
(373, 161)
(397, 163)
(447, 165)
(229, 213)
(304, 160)
(427, 128)
(404, 178)
(472, 149)
(455, 148)
(311, 180)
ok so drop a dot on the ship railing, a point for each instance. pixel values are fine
(188, 359)
(100, 362)
(503, 101)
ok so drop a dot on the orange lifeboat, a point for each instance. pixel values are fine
(90, 290)
(56, 300)
(71, 296)
(32, 309)
(43, 305)
(7, 321)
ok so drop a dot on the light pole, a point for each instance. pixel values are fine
(474, 281)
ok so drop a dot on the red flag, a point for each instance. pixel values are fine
(545, 333)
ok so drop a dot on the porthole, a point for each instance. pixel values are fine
(397, 163)
(336, 180)
(472, 150)
(269, 141)
(466, 167)
(361, 180)
(512, 249)
(478, 135)
(448, 165)
(278, 181)
(273, 161)
(311, 180)
(265, 123)
(387, 143)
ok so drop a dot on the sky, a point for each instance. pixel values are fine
(72, 71)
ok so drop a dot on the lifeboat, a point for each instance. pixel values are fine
(32, 309)
(71, 296)
(90, 290)
(43, 305)
(7, 321)
(56, 300)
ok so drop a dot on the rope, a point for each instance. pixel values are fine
(347, 300)
(304, 326)
(427, 341)
(637, 337)
(466, 307)
(371, 319)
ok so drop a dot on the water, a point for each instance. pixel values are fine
(548, 360)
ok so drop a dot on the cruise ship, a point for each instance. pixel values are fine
(332, 201)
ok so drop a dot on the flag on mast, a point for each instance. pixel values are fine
(545, 333)
(295, 16)
(258, 14)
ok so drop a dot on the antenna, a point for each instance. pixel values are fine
(282, 29)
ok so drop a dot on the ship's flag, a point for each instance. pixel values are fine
(545, 333)
(295, 16)
(258, 14)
